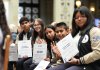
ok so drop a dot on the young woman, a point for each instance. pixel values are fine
(38, 34)
(88, 44)
(37, 38)
(4, 32)
(50, 38)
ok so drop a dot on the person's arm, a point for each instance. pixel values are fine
(6, 57)
(95, 45)
(55, 50)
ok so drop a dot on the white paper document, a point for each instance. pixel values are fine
(67, 48)
(42, 65)
(24, 48)
(13, 55)
(39, 52)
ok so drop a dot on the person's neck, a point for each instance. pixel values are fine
(27, 30)
(52, 39)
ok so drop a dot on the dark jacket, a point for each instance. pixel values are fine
(85, 47)
(29, 34)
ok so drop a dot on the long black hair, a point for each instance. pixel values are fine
(5, 31)
(53, 28)
(3, 21)
(48, 40)
(89, 23)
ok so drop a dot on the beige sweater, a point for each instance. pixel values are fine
(95, 44)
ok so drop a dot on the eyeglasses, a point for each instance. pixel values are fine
(81, 17)
(36, 25)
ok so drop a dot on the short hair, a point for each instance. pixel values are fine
(23, 19)
(62, 24)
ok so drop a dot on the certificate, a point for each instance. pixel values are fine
(24, 48)
(67, 48)
(13, 55)
(42, 65)
(39, 52)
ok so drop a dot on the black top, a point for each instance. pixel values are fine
(29, 34)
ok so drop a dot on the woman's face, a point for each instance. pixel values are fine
(50, 33)
(80, 19)
(37, 26)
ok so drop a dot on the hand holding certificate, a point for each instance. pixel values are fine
(67, 48)
(39, 52)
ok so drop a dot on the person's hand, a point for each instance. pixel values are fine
(25, 56)
(73, 61)
(47, 59)
(55, 49)
(39, 41)
(20, 29)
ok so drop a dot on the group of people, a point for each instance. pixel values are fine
(84, 32)
(87, 37)
(38, 33)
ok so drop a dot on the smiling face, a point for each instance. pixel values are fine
(80, 19)
(37, 26)
(61, 32)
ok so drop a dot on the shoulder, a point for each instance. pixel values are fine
(95, 30)
(95, 33)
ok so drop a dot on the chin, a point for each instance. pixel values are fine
(38, 30)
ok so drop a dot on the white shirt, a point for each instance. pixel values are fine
(25, 37)
(76, 39)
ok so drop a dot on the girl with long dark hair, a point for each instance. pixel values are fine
(88, 42)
